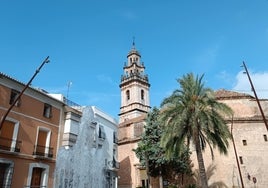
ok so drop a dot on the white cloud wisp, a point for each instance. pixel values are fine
(259, 80)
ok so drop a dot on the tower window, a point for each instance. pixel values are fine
(128, 94)
(265, 137)
(244, 142)
(241, 160)
(142, 94)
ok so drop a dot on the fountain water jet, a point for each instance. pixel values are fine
(83, 165)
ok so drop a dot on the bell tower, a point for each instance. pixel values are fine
(135, 105)
(134, 88)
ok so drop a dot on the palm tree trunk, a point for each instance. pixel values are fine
(201, 165)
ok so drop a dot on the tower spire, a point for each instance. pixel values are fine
(133, 43)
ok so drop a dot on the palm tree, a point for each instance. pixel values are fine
(192, 113)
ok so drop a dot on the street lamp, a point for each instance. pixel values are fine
(257, 99)
(18, 97)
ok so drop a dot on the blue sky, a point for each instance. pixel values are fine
(88, 42)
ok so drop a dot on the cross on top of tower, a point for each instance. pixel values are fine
(133, 43)
(133, 49)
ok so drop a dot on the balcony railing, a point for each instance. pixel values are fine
(72, 104)
(10, 144)
(43, 151)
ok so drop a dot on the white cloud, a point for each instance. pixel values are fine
(259, 80)
(106, 79)
(208, 55)
(129, 15)
(225, 77)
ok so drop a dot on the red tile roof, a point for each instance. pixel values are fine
(225, 94)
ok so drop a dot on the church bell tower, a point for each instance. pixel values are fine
(135, 105)
(134, 88)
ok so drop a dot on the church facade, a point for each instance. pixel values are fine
(246, 163)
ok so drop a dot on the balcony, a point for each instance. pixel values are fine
(43, 152)
(10, 144)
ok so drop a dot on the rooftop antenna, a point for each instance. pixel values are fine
(68, 89)
(25, 87)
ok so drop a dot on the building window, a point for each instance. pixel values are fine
(47, 111)
(244, 142)
(115, 138)
(138, 129)
(3, 169)
(38, 175)
(145, 183)
(128, 94)
(8, 136)
(13, 96)
(101, 132)
(241, 160)
(6, 172)
(114, 152)
(265, 137)
(142, 94)
(42, 143)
